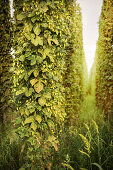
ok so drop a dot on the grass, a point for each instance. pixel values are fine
(89, 111)
(87, 145)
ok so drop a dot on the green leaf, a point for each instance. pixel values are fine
(46, 52)
(33, 61)
(19, 92)
(96, 164)
(28, 92)
(18, 120)
(28, 36)
(30, 72)
(38, 118)
(39, 59)
(45, 8)
(22, 111)
(32, 110)
(19, 50)
(25, 45)
(34, 126)
(28, 27)
(51, 138)
(36, 73)
(68, 166)
(37, 29)
(51, 124)
(32, 36)
(55, 78)
(51, 58)
(29, 120)
(27, 112)
(47, 95)
(33, 81)
(11, 69)
(20, 17)
(84, 153)
(37, 40)
(38, 87)
(22, 58)
(2, 99)
(49, 41)
(44, 25)
(55, 41)
(31, 14)
(42, 101)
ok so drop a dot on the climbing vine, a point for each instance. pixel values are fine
(5, 61)
(48, 71)
(104, 59)
(75, 65)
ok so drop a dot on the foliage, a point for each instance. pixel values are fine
(74, 80)
(49, 85)
(89, 111)
(11, 155)
(95, 147)
(45, 49)
(84, 147)
(89, 138)
(104, 68)
(5, 62)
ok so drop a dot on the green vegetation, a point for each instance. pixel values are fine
(89, 111)
(48, 85)
(58, 118)
(87, 145)
(5, 62)
(104, 60)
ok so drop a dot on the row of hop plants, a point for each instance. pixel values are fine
(104, 60)
(74, 80)
(47, 73)
(5, 61)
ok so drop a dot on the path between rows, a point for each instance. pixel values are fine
(89, 110)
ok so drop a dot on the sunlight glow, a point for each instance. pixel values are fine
(91, 10)
(90, 55)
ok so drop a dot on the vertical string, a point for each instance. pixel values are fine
(11, 8)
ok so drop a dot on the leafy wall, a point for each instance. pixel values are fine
(5, 61)
(75, 65)
(48, 70)
(104, 59)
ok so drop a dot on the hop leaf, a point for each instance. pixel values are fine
(28, 92)
(33, 81)
(19, 92)
(37, 29)
(38, 118)
(36, 73)
(34, 126)
(20, 17)
(55, 41)
(45, 8)
(29, 120)
(22, 58)
(42, 101)
(38, 87)
(37, 40)
(47, 95)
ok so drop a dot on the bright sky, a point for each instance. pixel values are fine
(91, 10)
